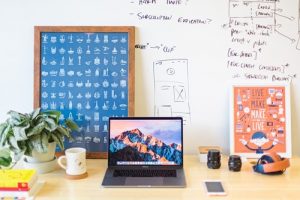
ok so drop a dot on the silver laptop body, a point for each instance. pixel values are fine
(145, 152)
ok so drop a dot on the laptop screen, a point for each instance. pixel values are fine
(145, 141)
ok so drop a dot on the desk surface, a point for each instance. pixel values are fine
(238, 185)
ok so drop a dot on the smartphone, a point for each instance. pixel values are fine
(214, 187)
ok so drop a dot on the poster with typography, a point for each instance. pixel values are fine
(260, 120)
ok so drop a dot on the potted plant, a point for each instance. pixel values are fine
(35, 136)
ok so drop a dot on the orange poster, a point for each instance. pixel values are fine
(260, 120)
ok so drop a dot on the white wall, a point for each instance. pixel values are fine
(205, 44)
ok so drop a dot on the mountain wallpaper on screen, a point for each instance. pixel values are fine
(135, 146)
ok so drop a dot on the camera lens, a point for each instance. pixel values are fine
(213, 159)
(235, 163)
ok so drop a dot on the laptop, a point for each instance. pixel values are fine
(145, 152)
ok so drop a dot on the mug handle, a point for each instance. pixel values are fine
(59, 161)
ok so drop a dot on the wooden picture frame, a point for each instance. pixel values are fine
(260, 119)
(86, 72)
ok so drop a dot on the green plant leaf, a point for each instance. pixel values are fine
(58, 139)
(54, 114)
(17, 119)
(51, 125)
(20, 132)
(71, 124)
(5, 158)
(63, 131)
(36, 130)
(35, 113)
(13, 143)
(4, 130)
(40, 142)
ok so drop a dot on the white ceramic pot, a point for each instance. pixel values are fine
(42, 162)
(42, 157)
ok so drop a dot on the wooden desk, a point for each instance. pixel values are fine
(239, 185)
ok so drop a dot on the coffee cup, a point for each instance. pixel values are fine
(74, 161)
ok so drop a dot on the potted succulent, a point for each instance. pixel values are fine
(35, 136)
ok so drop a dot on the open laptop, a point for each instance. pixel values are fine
(145, 152)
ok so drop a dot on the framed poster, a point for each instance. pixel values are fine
(260, 120)
(87, 73)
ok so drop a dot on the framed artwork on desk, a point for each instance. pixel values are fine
(87, 73)
(260, 120)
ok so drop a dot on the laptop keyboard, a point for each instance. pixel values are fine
(145, 173)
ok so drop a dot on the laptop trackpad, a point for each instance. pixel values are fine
(144, 181)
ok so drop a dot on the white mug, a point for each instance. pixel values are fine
(75, 159)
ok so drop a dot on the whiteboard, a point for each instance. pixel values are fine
(208, 44)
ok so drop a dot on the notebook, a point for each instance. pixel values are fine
(145, 152)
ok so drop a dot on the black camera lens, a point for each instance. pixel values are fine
(235, 163)
(213, 159)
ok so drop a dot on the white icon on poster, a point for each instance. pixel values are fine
(44, 106)
(97, 61)
(88, 72)
(123, 40)
(105, 128)
(70, 95)
(105, 38)
(53, 95)
(105, 83)
(44, 83)
(114, 51)
(114, 107)
(53, 105)
(96, 85)
(114, 60)
(53, 39)
(123, 72)
(53, 62)
(97, 95)
(79, 96)
(114, 85)
(114, 74)
(53, 50)
(61, 95)
(45, 38)
(96, 106)
(105, 61)
(79, 60)
(123, 62)
(44, 61)
(97, 72)
(97, 40)
(53, 84)
(123, 83)
(70, 105)
(61, 72)
(62, 51)
(87, 105)
(96, 116)
(122, 95)
(70, 37)
(88, 95)
(88, 84)
(79, 106)
(61, 106)
(88, 40)
(96, 140)
(71, 61)
(44, 73)
(79, 115)
(105, 72)
(79, 50)
(105, 94)
(113, 95)
(96, 128)
(79, 84)
(62, 61)
(105, 106)
(62, 39)
(71, 116)
(62, 84)
(87, 118)
(88, 51)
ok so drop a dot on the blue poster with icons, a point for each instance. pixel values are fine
(85, 76)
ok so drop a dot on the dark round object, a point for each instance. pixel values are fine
(235, 163)
(213, 159)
